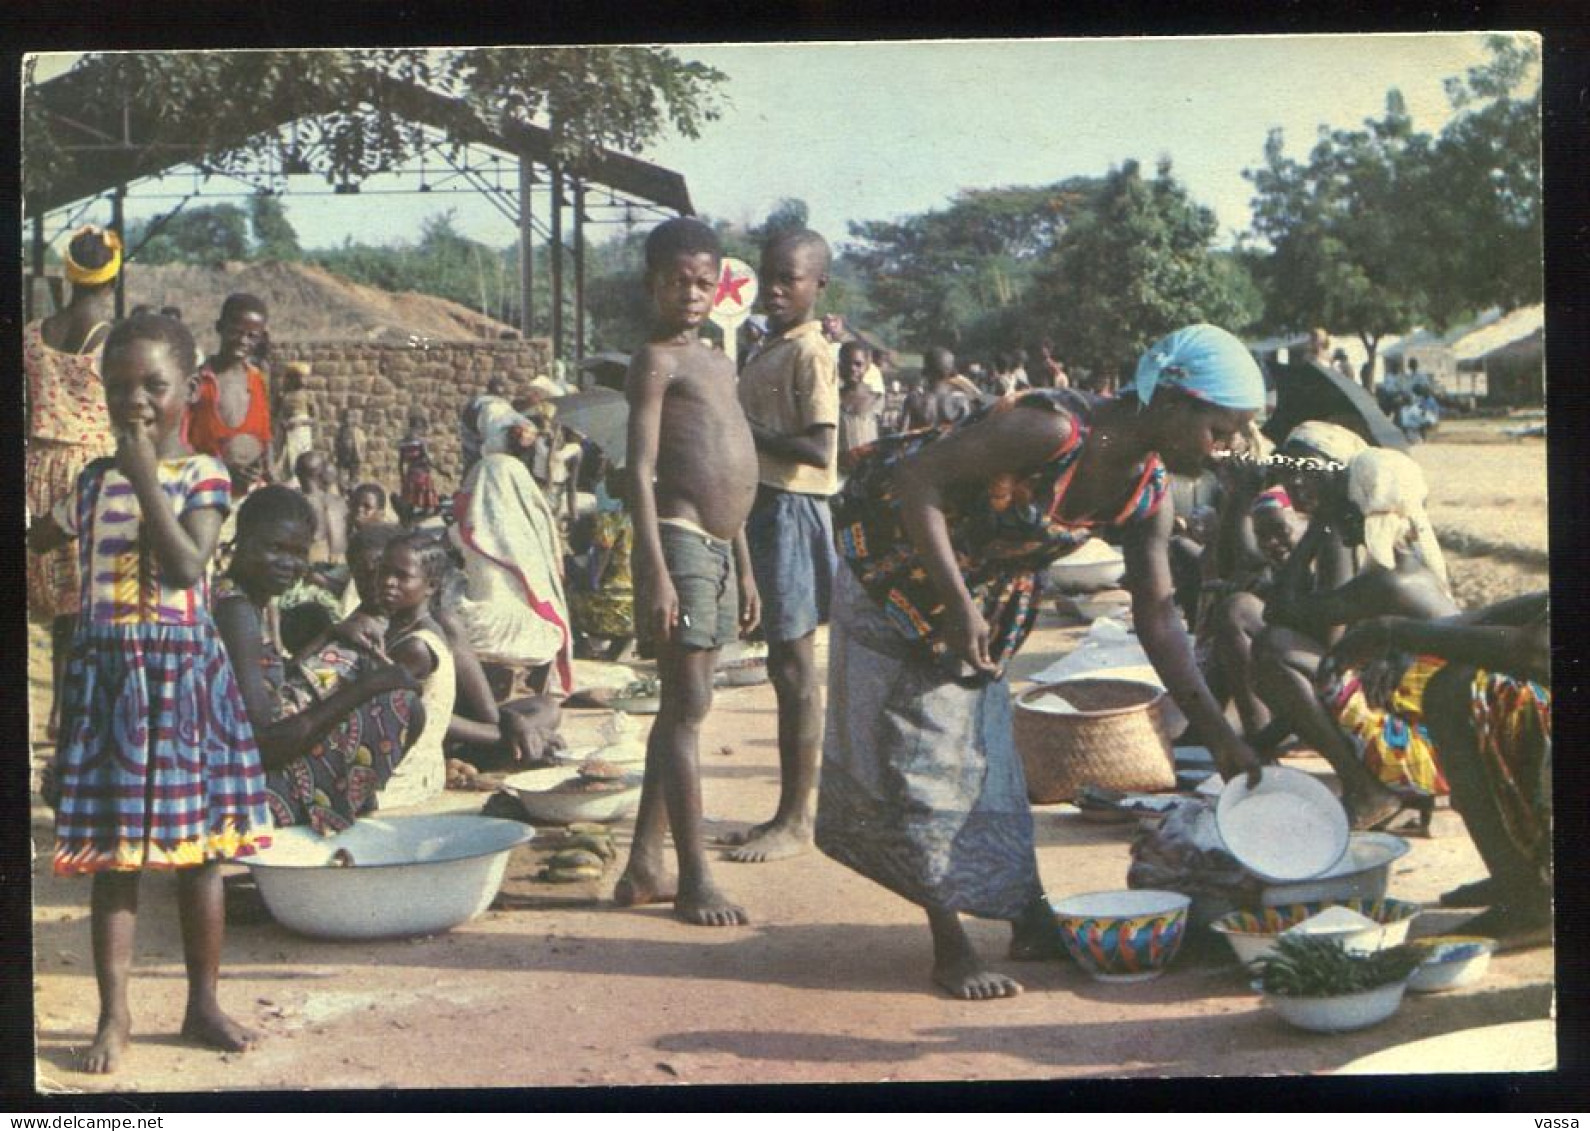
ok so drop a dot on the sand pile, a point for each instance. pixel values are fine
(307, 304)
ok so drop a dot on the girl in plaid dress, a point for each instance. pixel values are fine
(157, 765)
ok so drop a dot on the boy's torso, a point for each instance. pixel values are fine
(706, 459)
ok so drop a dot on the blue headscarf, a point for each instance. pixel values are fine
(1206, 362)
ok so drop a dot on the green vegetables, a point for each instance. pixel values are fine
(1305, 966)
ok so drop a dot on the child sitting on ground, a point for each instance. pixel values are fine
(692, 466)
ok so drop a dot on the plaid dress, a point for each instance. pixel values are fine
(158, 766)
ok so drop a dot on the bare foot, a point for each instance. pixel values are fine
(110, 1042)
(964, 976)
(1512, 929)
(639, 886)
(1036, 935)
(744, 836)
(708, 907)
(209, 1026)
(772, 842)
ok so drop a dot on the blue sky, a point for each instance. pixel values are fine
(881, 130)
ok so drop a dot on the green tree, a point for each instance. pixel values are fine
(958, 276)
(1383, 229)
(1345, 228)
(788, 215)
(274, 235)
(209, 235)
(1483, 222)
(1134, 266)
(226, 107)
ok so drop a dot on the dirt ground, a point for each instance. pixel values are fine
(555, 986)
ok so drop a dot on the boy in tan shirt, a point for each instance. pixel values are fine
(789, 389)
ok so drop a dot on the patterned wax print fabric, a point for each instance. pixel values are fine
(602, 601)
(921, 788)
(1004, 532)
(1512, 723)
(1393, 743)
(336, 780)
(158, 766)
(68, 427)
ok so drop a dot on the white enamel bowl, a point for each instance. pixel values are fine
(1340, 1014)
(409, 875)
(1363, 872)
(543, 801)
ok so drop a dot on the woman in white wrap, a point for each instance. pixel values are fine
(513, 605)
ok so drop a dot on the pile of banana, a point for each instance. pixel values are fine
(583, 854)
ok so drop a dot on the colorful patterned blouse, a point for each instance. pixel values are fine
(1003, 533)
(122, 582)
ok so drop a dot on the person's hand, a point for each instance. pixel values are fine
(1380, 678)
(662, 609)
(529, 743)
(1245, 761)
(966, 633)
(750, 606)
(1362, 642)
(363, 632)
(389, 677)
(135, 451)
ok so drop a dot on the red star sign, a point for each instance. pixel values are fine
(729, 287)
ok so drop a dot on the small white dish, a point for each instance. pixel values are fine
(1290, 828)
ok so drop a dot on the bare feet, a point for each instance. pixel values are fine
(209, 1026)
(1513, 929)
(640, 885)
(1036, 935)
(964, 976)
(1480, 893)
(110, 1042)
(708, 907)
(771, 841)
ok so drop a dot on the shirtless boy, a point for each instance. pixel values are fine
(317, 482)
(693, 478)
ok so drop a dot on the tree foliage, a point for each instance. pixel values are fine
(1383, 229)
(957, 276)
(209, 236)
(225, 106)
(1136, 265)
(274, 235)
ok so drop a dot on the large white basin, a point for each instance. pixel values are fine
(408, 875)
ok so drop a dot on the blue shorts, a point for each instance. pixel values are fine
(791, 538)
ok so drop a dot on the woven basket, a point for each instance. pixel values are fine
(1115, 740)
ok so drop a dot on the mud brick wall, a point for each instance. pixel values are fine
(387, 382)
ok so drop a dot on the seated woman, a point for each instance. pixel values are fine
(1234, 617)
(480, 732)
(327, 753)
(1382, 762)
(1488, 712)
(513, 608)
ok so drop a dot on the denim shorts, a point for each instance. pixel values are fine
(702, 570)
(791, 539)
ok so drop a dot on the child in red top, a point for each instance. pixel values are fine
(231, 416)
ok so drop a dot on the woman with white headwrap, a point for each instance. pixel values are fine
(1381, 757)
(514, 606)
(944, 534)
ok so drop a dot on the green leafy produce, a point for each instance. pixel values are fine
(1304, 966)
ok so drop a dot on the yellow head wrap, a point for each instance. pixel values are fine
(81, 276)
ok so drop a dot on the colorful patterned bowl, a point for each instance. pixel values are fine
(1123, 936)
(1252, 935)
